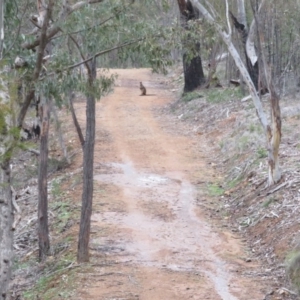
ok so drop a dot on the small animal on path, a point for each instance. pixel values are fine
(143, 89)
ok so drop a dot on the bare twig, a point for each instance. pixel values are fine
(277, 188)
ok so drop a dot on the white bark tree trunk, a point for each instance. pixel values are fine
(242, 12)
(6, 206)
(273, 131)
(6, 232)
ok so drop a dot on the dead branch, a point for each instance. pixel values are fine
(34, 151)
(43, 40)
(66, 11)
(278, 188)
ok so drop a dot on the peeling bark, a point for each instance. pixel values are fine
(273, 131)
(274, 139)
(251, 58)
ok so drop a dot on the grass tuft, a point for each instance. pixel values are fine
(215, 190)
(293, 269)
(187, 97)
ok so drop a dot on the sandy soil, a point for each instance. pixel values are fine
(150, 237)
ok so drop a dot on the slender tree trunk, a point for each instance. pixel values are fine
(274, 138)
(6, 209)
(6, 232)
(60, 134)
(43, 231)
(241, 12)
(193, 70)
(88, 166)
(1, 27)
(75, 121)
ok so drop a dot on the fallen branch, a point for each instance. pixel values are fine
(34, 151)
(277, 188)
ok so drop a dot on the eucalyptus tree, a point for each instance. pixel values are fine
(192, 62)
(43, 66)
(272, 129)
(126, 33)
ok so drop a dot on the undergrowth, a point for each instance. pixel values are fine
(186, 97)
(218, 95)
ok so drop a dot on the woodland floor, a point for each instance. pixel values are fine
(180, 207)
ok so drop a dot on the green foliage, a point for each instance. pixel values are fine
(4, 110)
(215, 190)
(217, 95)
(56, 190)
(191, 96)
(262, 153)
(54, 282)
(120, 22)
(256, 128)
(61, 205)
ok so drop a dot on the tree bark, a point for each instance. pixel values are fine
(7, 144)
(6, 210)
(88, 165)
(60, 134)
(43, 40)
(274, 139)
(273, 131)
(43, 230)
(242, 12)
(6, 232)
(193, 70)
(252, 68)
(1, 27)
(75, 121)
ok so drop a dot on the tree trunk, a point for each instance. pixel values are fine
(273, 131)
(6, 232)
(75, 121)
(43, 230)
(252, 68)
(88, 166)
(7, 144)
(274, 139)
(242, 12)
(1, 27)
(193, 70)
(60, 134)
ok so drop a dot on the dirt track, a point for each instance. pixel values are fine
(150, 238)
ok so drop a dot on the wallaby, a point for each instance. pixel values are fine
(143, 90)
